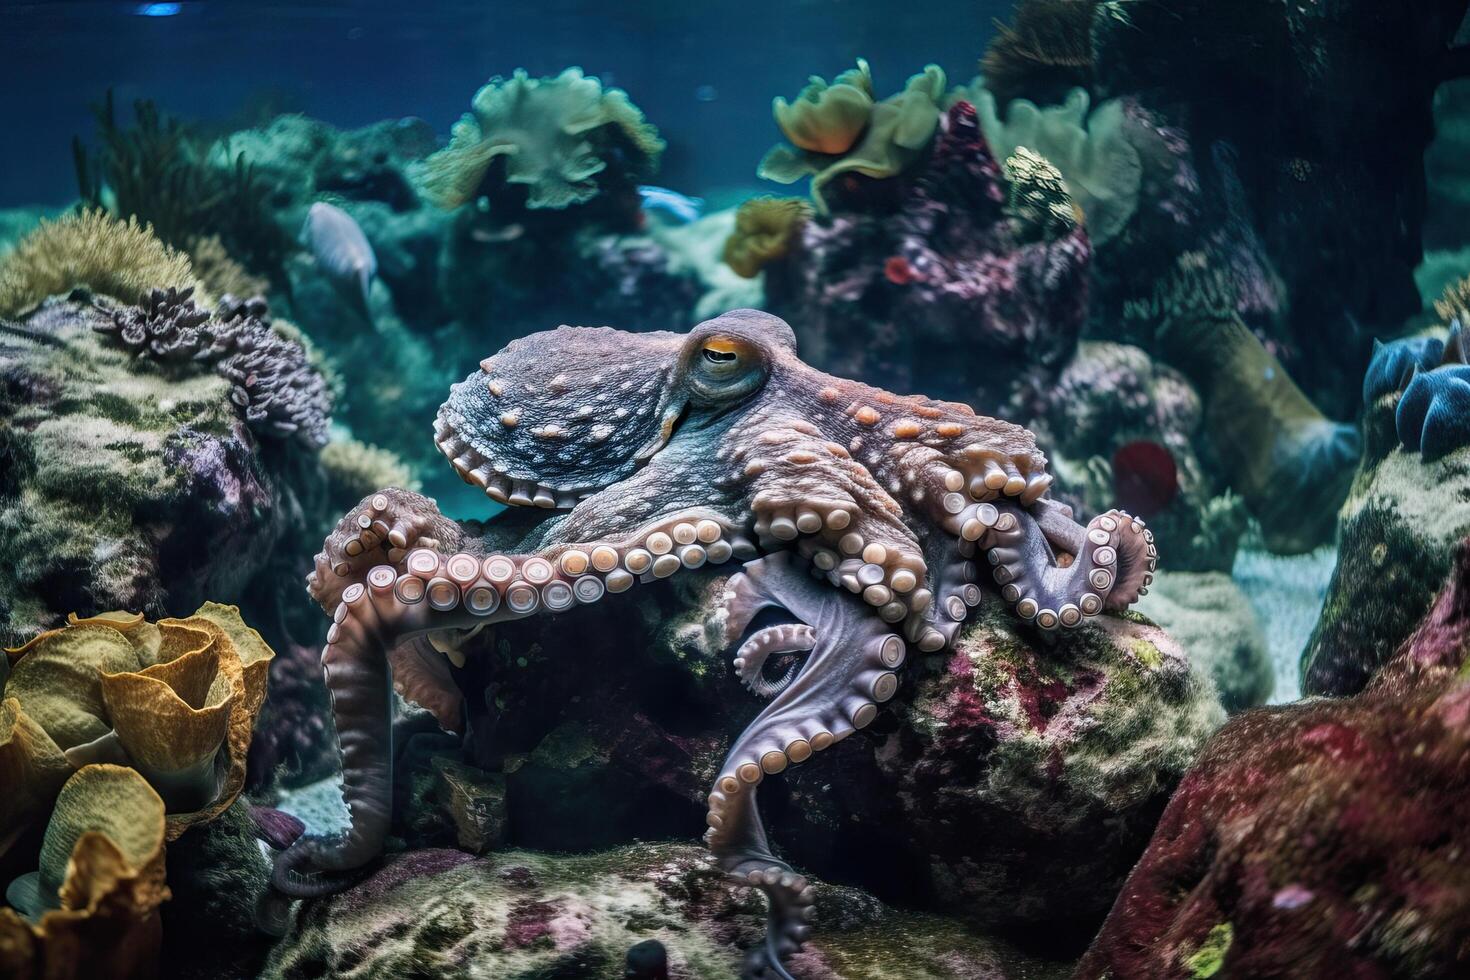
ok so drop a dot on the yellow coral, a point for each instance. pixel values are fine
(94, 902)
(764, 230)
(355, 469)
(175, 700)
(553, 134)
(1454, 303)
(828, 118)
(898, 131)
(122, 259)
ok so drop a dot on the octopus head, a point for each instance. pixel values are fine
(563, 413)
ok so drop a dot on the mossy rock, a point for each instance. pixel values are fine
(1213, 621)
(1398, 531)
(522, 915)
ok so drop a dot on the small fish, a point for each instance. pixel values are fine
(683, 209)
(495, 236)
(158, 9)
(342, 252)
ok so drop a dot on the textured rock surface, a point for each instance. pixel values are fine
(126, 485)
(519, 915)
(1009, 781)
(1399, 529)
(1322, 839)
(1211, 618)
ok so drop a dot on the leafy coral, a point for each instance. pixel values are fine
(175, 701)
(898, 131)
(765, 228)
(554, 136)
(93, 905)
(122, 259)
(828, 118)
(1089, 147)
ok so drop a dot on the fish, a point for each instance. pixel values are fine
(342, 252)
(682, 208)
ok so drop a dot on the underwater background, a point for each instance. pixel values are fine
(314, 538)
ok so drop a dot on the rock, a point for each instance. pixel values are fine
(1398, 532)
(519, 915)
(1009, 781)
(476, 803)
(1324, 838)
(1211, 618)
(127, 484)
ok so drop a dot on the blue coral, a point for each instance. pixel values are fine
(1393, 365)
(1433, 415)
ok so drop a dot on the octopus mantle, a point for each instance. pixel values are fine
(868, 523)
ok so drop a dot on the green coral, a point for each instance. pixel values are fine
(554, 135)
(1038, 197)
(122, 259)
(1209, 959)
(355, 469)
(897, 132)
(828, 118)
(1089, 147)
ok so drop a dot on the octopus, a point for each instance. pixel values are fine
(869, 524)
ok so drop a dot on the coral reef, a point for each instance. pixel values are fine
(1124, 426)
(271, 379)
(161, 173)
(838, 135)
(129, 483)
(122, 259)
(518, 913)
(937, 286)
(93, 906)
(551, 136)
(1318, 839)
(765, 229)
(175, 701)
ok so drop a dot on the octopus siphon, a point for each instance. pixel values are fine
(867, 523)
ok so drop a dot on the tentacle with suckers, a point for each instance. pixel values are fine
(850, 661)
(431, 593)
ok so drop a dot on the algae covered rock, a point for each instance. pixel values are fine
(1324, 838)
(128, 484)
(520, 914)
(1398, 531)
(1011, 781)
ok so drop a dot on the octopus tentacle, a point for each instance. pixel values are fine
(1112, 565)
(384, 527)
(849, 672)
(431, 594)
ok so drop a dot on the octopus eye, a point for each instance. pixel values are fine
(723, 368)
(716, 356)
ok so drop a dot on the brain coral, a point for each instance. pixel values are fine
(898, 130)
(122, 259)
(554, 135)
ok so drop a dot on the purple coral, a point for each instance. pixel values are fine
(272, 381)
